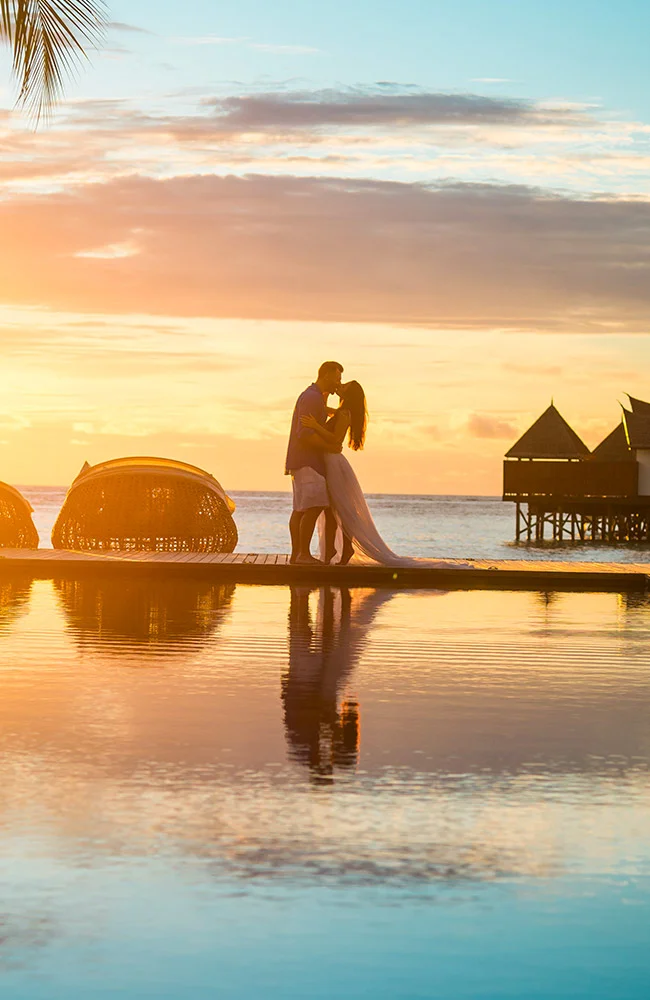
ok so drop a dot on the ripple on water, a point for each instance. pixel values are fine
(206, 747)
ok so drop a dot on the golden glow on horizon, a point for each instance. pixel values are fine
(219, 393)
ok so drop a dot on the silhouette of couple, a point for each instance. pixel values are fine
(324, 482)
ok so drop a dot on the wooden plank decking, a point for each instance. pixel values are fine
(261, 568)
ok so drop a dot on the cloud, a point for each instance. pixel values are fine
(387, 131)
(114, 51)
(481, 426)
(246, 43)
(111, 251)
(284, 49)
(363, 108)
(131, 29)
(95, 359)
(535, 370)
(209, 40)
(468, 256)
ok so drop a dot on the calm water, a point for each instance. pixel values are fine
(455, 526)
(257, 792)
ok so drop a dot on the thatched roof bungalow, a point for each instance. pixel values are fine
(602, 495)
(613, 448)
(637, 432)
(550, 437)
(551, 460)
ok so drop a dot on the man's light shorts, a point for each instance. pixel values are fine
(309, 489)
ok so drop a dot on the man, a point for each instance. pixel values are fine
(306, 461)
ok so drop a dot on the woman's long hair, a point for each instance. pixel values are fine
(353, 399)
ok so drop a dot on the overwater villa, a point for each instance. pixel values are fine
(564, 491)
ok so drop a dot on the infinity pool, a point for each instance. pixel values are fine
(257, 792)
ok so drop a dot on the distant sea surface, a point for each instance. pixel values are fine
(452, 526)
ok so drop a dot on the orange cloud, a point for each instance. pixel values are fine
(482, 426)
(465, 255)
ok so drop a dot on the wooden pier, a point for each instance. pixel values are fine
(273, 569)
(587, 520)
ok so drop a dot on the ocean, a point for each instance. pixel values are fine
(210, 789)
(459, 527)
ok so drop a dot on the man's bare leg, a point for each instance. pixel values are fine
(294, 531)
(307, 525)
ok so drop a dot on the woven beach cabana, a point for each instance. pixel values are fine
(17, 529)
(145, 504)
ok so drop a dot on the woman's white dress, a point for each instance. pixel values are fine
(355, 520)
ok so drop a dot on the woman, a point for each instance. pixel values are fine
(351, 419)
(348, 504)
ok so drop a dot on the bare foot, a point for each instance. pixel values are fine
(346, 554)
(307, 561)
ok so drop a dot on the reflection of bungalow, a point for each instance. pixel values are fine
(556, 482)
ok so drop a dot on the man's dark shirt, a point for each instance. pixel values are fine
(299, 452)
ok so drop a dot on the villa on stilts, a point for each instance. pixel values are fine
(564, 492)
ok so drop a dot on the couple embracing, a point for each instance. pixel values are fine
(325, 488)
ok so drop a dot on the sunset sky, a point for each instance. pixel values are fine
(453, 200)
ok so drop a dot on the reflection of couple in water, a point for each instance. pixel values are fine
(322, 728)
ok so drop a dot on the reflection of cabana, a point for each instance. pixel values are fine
(156, 615)
(150, 504)
(14, 599)
(599, 496)
(17, 529)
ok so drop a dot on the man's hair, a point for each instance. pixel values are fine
(329, 366)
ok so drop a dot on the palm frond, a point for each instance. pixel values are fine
(48, 39)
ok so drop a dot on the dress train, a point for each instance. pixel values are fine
(349, 506)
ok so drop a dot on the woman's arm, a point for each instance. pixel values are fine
(333, 439)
